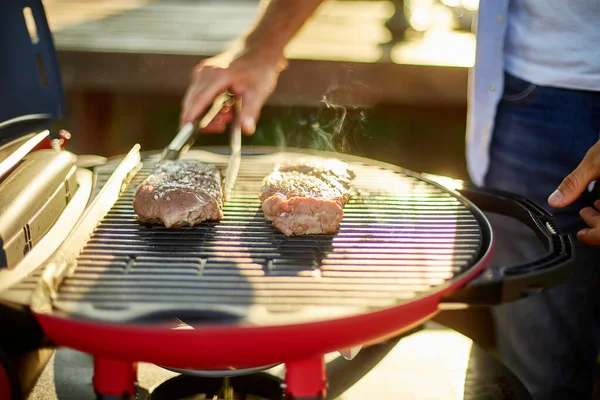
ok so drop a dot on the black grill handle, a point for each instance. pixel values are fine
(494, 286)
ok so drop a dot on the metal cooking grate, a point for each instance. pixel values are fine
(400, 237)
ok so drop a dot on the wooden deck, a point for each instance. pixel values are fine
(151, 46)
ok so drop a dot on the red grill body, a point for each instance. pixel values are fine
(238, 294)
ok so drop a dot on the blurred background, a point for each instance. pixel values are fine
(377, 78)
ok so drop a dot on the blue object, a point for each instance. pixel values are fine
(31, 92)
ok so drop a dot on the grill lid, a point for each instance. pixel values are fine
(32, 197)
(401, 238)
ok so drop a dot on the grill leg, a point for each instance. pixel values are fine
(114, 379)
(5, 384)
(10, 382)
(306, 379)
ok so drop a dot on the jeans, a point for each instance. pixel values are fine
(550, 341)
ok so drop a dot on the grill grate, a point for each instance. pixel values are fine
(400, 237)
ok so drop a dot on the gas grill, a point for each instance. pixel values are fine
(237, 294)
(234, 297)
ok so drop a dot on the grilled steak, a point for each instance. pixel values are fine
(307, 197)
(325, 168)
(180, 193)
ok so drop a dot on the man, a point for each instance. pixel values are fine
(534, 113)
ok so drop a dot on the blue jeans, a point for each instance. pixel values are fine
(550, 340)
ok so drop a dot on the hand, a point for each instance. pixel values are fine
(573, 186)
(249, 75)
(591, 217)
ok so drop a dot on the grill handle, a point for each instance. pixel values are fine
(494, 286)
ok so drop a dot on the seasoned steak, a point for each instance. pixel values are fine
(307, 197)
(180, 193)
(325, 168)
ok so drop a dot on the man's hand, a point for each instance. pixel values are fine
(591, 217)
(254, 71)
(247, 76)
(573, 186)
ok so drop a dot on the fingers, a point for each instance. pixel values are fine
(207, 83)
(571, 187)
(577, 181)
(589, 236)
(252, 79)
(220, 122)
(591, 217)
(249, 113)
(253, 101)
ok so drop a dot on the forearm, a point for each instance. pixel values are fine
(279, 21)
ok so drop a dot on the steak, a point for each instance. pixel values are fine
(307, 196)
(325, 168)
(180, 193)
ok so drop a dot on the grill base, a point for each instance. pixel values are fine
(483, 375)
(304, 380)
(263, 386)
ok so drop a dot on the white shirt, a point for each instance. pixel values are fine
(533, 47)
(554, 42)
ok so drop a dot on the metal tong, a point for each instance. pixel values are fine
(187, 134)
(235, 149)
(186, 137)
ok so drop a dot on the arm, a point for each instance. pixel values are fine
(252, 70)
(278, 23)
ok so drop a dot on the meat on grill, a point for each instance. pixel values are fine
(180, 193)
(307, 196)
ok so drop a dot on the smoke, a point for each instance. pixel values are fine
(330, 127)
(338, 128)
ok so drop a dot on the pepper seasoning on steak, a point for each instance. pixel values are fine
(180, 193)
(306, 197)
